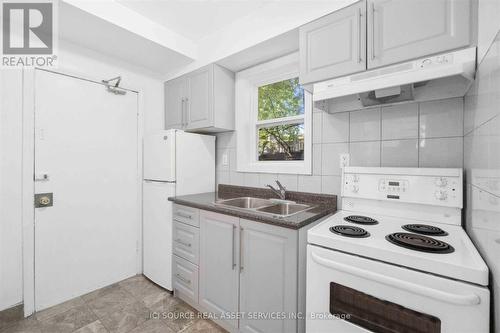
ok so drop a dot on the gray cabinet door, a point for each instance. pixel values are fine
(334, 45)
(268, 276)
(400, 30)
(200, 93)
(219, 272)
(175, 103)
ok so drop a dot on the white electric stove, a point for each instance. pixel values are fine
(396, 258)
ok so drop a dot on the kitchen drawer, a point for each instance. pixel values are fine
(187, 215)
(186, 241)
(185, 280)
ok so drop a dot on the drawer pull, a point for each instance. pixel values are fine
(178, 240)
(183, 279)
(186, 216)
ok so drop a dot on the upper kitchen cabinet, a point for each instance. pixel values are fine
(334, 45)
(203, 100)
(175, 92)
(399, 30)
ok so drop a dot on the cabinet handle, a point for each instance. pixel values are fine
(183, 279)
(373, 30)
(186, 216)
(186, 104)
(178, 240)
(182, 112)
(360, 17)
(233, 255)
(241, 249)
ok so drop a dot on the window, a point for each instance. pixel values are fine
(280, 121)
(273, 113)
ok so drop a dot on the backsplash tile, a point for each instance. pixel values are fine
(335, 127)
(365, 154)
(400, 121)
(400, 153)
(330, 157)
(309, 184)
(422, 134)
(364, 125)
(289, 181)
(443, 118)
(441, 153)
(317, 124)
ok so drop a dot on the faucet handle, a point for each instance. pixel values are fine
(280, 185)
(271, 187)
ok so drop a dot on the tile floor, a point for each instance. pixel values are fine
(134, 305)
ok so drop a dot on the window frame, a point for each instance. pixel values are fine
(247, 123)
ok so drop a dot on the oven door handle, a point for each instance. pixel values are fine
(439, 295)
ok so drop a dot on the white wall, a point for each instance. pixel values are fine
(72, 59)
(10, 187)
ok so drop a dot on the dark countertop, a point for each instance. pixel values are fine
(324, 204)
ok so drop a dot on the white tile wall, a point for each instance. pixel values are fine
(482, 166)
(441, 152)
(443, 118)
(335, 127)
(317, 124)
(364, 125)
(405, 135)
(365, 154)
(316, 159)
(400, 153)
(330, 158)
(400, 121)
(310, 184)
(289, 181)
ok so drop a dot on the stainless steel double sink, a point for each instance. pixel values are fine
(280, 208)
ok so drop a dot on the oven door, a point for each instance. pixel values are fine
(347, 293)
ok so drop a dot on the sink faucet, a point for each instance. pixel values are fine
(281, 192)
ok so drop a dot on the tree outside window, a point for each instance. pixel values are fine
(280, 125)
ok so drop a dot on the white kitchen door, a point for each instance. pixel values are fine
(86, 154)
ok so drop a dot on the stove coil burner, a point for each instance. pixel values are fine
(424, 229)
(419, 243)
(349, 231)
(360, 219)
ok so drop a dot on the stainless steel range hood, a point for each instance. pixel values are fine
(441, 76)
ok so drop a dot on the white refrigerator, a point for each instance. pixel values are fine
(174, 163)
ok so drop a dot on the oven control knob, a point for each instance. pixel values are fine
(441, 182)
(440, 195)
(354, 188)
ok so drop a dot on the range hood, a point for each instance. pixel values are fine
(435, 77)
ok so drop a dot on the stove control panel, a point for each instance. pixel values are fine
(421, 186)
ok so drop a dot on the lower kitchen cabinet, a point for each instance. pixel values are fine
(268, 278)
(219, 271)
(250, 275)
(185, 280)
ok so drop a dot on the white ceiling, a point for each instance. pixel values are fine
(270, 49)
(195, 19)
(116, 42)
(173, 37)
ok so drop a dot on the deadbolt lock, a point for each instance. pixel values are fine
(43, 200)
